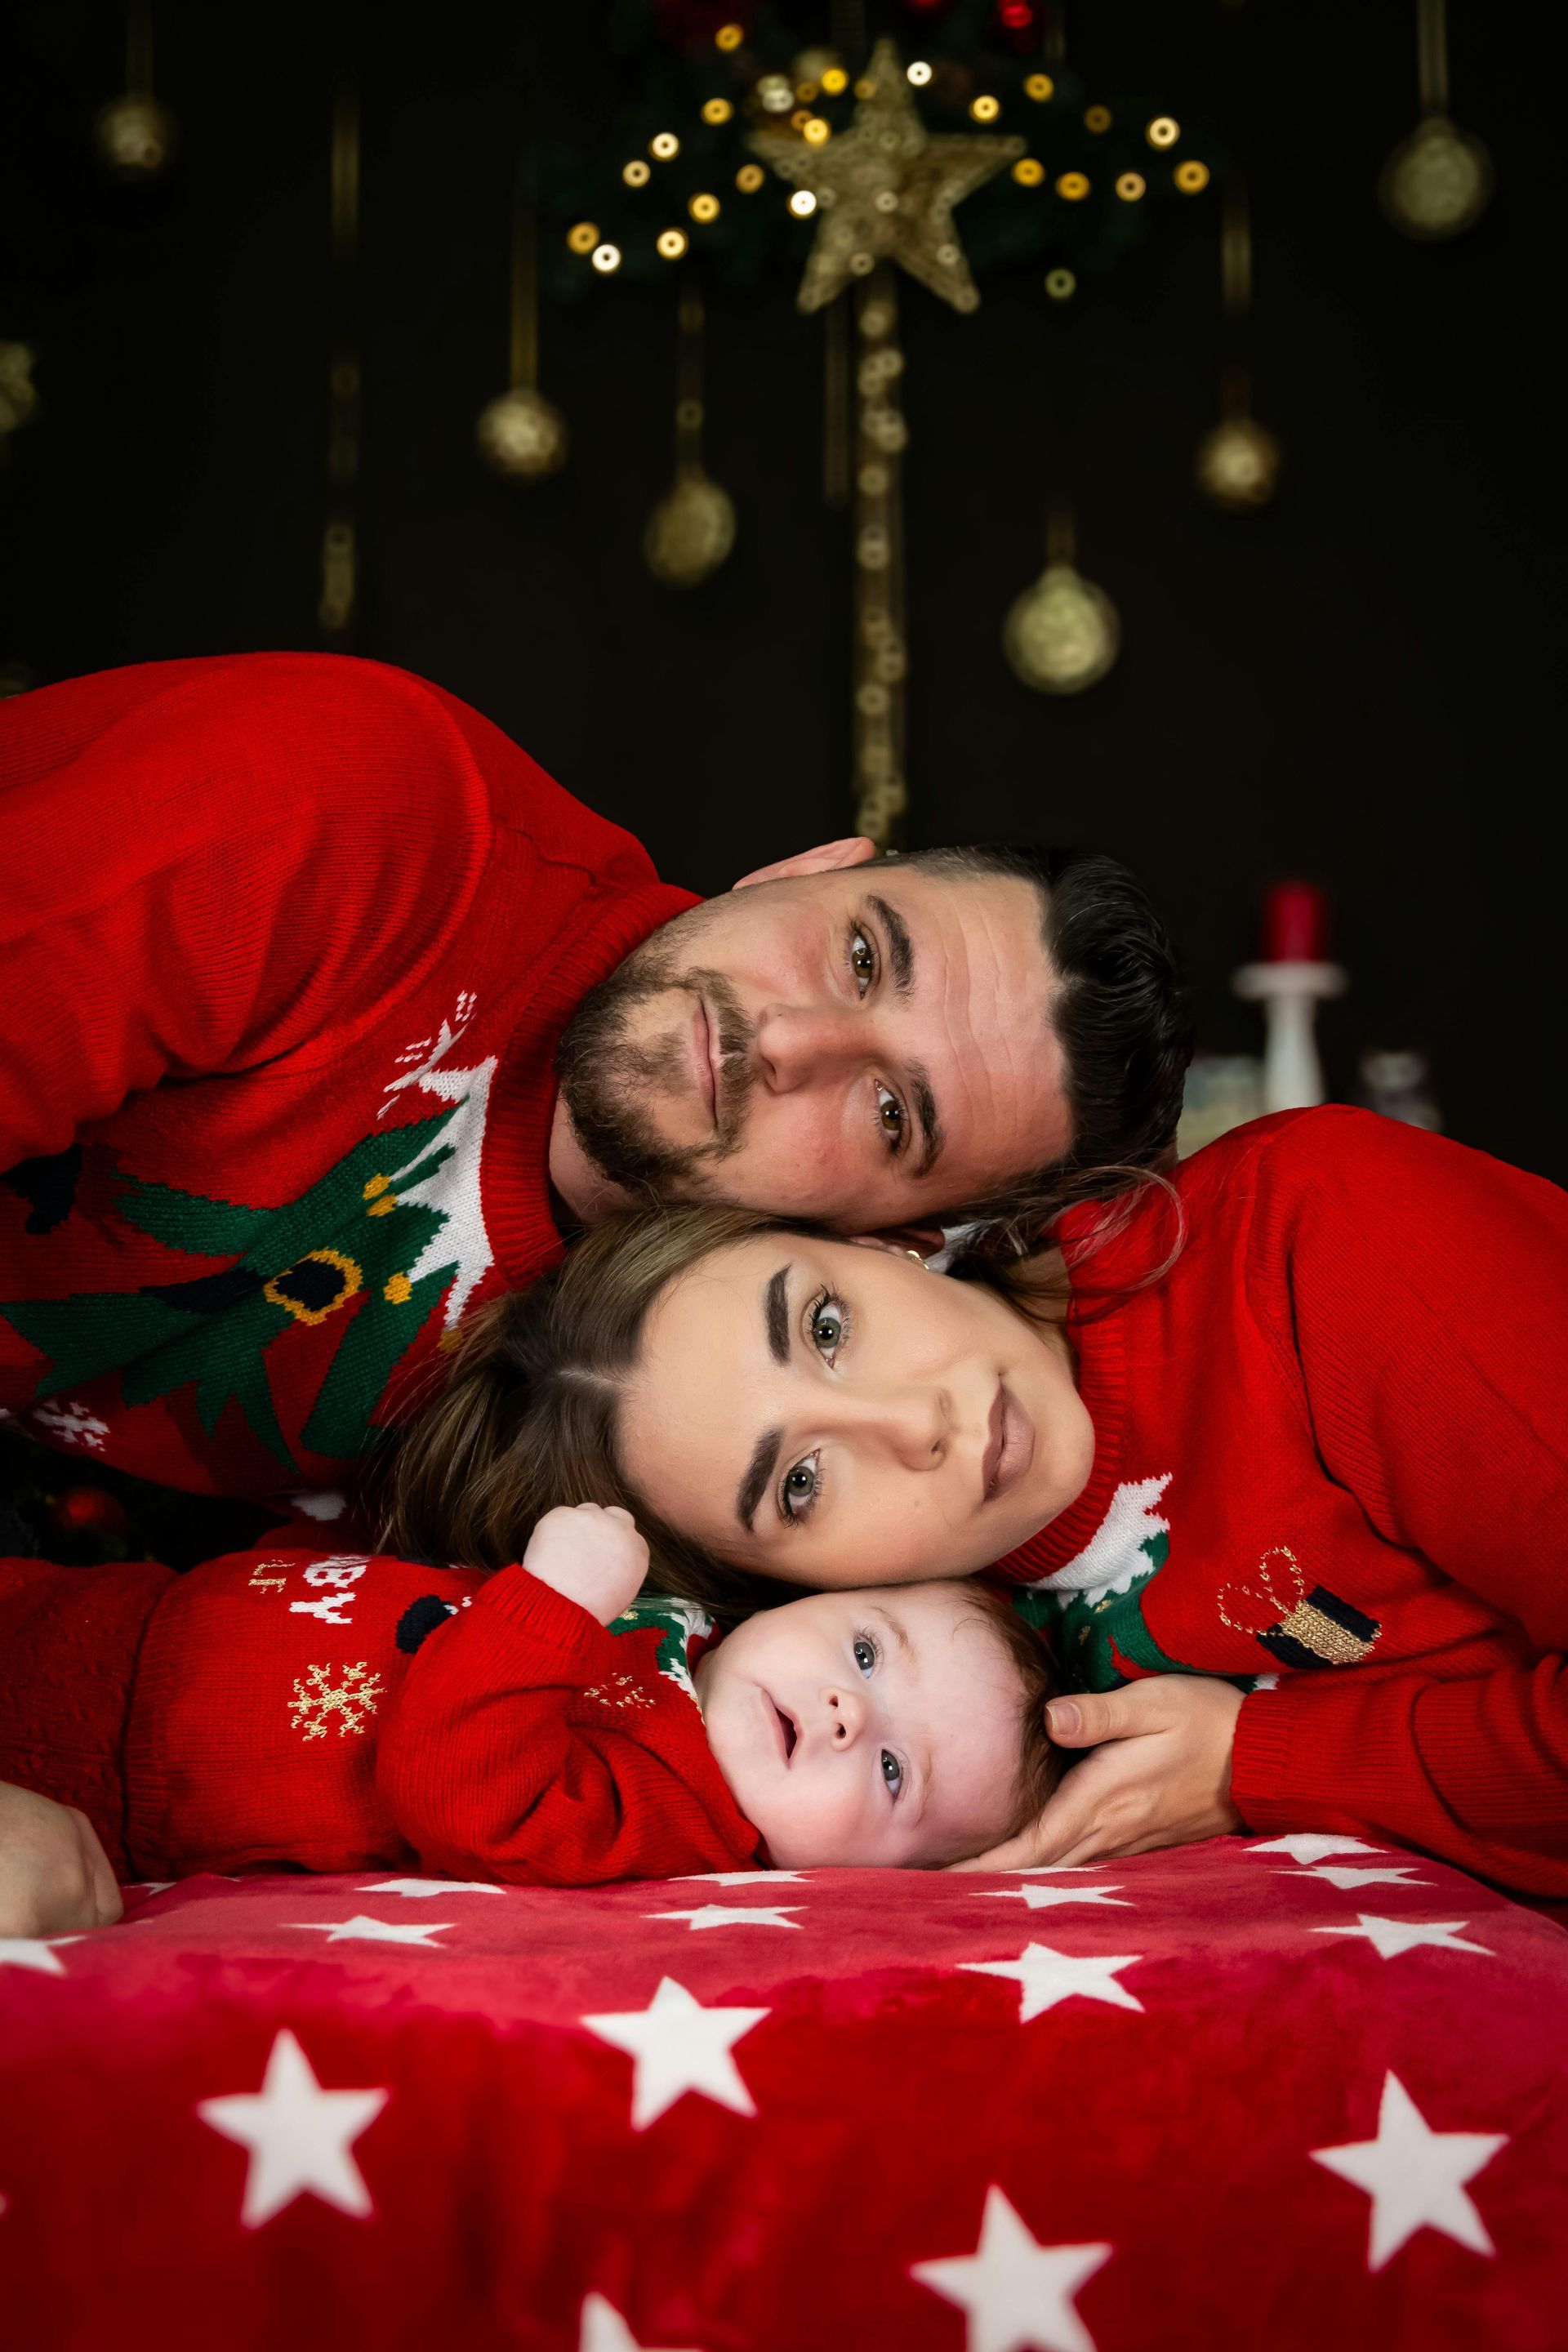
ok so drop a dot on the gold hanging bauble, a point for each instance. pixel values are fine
(690, 533)
(19, 394)
(1062, 635)
(135, 137)
(522, 436)
(1238, 465)
(1438, 182)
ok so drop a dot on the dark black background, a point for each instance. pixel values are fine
(1358, 686)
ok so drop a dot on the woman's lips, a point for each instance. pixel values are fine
(1010, 1444)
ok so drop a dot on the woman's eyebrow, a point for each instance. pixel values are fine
(775, 1314)
(759, 1476)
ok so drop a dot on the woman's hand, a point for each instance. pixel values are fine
(593, 1554)
(55, 1877)
(1160, 1774)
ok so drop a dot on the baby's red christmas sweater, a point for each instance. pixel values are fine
(1331, 1465)
(287, 942)
(350, 1711)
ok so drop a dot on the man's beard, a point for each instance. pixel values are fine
(606, 1080)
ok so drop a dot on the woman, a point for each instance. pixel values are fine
(1291, 1427)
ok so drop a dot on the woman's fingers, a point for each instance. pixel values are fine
(1088, 1717)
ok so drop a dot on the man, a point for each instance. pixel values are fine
(290, 949)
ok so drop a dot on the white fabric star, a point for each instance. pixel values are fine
(359, 1929)
(1415, 2175)
(420, 1889)
(1018, 2294)
(1311, 1847)
(1391, 1937)
(300, 2137)
(735, 1877)
(731, 1915)
(1043, 1898)
(604, 2329)
(676, 2046)
(1348, 1877)
(1048, 1977)
(34, 1952)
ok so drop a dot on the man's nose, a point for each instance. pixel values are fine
(799, 1048)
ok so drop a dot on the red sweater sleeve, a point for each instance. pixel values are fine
(520, 1746)
(209, 863)
(1417, 1293)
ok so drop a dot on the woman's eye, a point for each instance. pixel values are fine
(799, 1488)
(865, 1654)
(892, 1772)
(828, 1329)
(862, 961)
(891, 1116)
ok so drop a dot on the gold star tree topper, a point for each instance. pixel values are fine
(886, 191)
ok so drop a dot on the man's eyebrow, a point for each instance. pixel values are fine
(775, 1313)
(926, 1115)
(758, 1477)
(900, 954)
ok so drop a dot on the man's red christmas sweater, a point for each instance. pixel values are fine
(287, 942)
(347, 1712)
(1331, 1463)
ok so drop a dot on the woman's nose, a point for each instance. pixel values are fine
(798, 1047)
(913, 1425)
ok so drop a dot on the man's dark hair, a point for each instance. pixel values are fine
(1121, 1014)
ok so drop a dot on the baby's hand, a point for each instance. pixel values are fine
(593, 1555)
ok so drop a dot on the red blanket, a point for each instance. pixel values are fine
(1276, 2094)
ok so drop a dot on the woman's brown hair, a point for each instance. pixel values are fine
(528, 1416)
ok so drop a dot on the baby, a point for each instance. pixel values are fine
(543, 1725)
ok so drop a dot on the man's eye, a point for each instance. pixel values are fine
(891, 1116)
(862, 961)
(799, 1489)
(892, 1772)
(865, 1654)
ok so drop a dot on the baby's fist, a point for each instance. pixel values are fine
(593, 1554)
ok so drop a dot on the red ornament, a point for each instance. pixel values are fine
(90, 1511)
(1018, 23)
(1294, 924)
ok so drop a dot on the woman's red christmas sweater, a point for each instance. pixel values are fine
(287, 942)
(1331, 1463)
(348, 1712)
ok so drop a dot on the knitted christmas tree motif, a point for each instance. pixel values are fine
(679, 1623)
(355, 1245)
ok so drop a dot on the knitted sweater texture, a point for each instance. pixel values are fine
(353, 1712)
(1331, 1465)
(286, 943)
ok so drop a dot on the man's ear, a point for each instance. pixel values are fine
(825, 858)
(903, 1241)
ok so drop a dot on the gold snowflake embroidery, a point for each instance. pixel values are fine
(317, 1698)
(622, 1690)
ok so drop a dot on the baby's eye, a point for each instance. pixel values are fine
(892, 1772)
(865, 1654)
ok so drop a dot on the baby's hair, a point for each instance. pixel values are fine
(1039, 1759)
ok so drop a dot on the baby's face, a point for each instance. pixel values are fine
(868, 1727)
